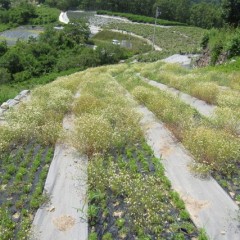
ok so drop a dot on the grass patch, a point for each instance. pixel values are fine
(23, 174)
(203, 84)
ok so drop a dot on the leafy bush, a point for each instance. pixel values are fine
(5, 76)
(234, 45)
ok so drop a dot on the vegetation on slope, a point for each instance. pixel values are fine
(221, 44)
(107, 129)
(55, 51)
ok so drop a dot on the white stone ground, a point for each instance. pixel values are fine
(184, 60)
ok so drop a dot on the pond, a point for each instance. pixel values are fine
(22, 33)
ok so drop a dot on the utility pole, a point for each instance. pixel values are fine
(158, 13)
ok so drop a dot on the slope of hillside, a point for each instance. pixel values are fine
(130, 152)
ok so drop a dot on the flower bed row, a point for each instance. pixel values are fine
(129, 195)
(215, 150)
(205, 85)
(227, 115)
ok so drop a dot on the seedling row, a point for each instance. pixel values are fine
(23, 172)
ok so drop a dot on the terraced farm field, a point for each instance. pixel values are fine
(149, 173)
(92, 18)
(172, 39)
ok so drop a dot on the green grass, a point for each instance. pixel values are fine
(4, 27)
(203, 83)
(9, 91)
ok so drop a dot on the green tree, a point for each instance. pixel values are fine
(6, 4)
(183, 11)
(167, 8)
(231, 11)
(205, 15)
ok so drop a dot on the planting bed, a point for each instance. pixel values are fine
(130, 198)
(22, 176)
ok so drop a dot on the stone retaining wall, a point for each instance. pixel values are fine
(13, 102)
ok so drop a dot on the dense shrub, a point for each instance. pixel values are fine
(5, 76)
(224, 41)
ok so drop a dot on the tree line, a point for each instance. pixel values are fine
(201, 13)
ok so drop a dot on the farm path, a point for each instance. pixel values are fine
(65, 216)
(209, 205)
(201, 106)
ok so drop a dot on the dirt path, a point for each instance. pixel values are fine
(65, 216)
(201, 106)
(208, 204)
